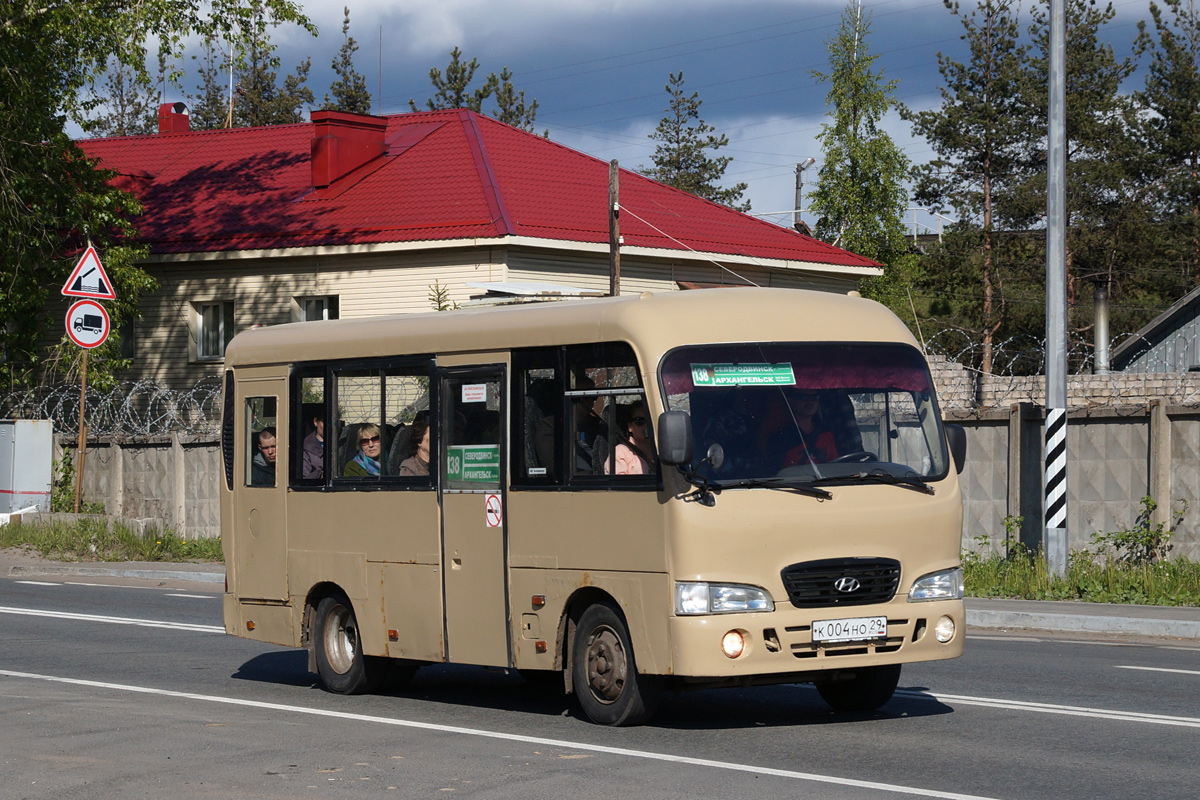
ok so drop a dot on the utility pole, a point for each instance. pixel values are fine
(803, 165)
(1055, 541)
(614, 230)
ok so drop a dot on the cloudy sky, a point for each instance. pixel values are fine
(598, 67)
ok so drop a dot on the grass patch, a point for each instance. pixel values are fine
(92, 540)
(1090, 577)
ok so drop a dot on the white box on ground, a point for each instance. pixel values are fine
(26, 464)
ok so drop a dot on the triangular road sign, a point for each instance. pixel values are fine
(89, 279)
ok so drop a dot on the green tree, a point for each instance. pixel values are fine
(859, 197)
(681, 157)
(975, 135)
(453, 90)
(1108, 230)
(210, 107)
(260, 99)
(51, 196)
(511, 108)
(1172, 130)
(349, 92)
(129, 103)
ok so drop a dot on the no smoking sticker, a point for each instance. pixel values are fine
(493, 509)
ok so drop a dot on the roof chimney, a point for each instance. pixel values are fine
(173, 118)
(344, 142)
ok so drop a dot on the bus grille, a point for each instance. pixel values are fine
(813, 584)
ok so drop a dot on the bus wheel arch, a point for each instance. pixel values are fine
(331, 626)
(603, 665)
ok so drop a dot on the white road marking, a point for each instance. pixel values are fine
(1050, 708)
(511, 737)
(193, 596)
(143, 623)
(1003, 638)
(1163, 669)
(38, 583)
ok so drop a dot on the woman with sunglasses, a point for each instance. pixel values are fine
(635, 454)
(367, 464)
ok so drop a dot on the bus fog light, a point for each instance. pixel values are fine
(733, 644)
(944, 630)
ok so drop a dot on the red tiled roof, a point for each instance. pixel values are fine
(446, 175)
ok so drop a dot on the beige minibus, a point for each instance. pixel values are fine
(663, 491)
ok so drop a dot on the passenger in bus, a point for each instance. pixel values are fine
(808, 440)
(367, 464)
(634, 455)
(418, 464)
(262, 468)
(313, 465)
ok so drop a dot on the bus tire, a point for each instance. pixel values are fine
(341, 664)
(870, 688)
(605, 674)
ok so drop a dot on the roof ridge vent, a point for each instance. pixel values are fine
(343, 142)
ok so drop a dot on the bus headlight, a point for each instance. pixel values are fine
(946, 584)
(720, 598)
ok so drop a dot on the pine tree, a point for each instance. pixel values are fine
(510, 103)
(260, 100)
(349, 92)
(210, 108)
(453, 89)
(1172, 131)
(128, 103)
(681, 158)
(975, 135)
(1105, 192)
(859, 197)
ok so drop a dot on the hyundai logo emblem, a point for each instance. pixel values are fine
(846, 584)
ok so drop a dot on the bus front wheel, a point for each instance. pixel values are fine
(870, 688)
(604, 673)
(341, 664)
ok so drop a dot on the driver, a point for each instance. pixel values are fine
(809, 441)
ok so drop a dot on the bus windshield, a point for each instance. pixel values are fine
(824, 412)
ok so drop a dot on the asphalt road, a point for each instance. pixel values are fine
(132, 690)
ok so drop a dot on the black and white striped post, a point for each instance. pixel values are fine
(1055, 540)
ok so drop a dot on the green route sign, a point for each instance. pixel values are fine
(743, 375)
(473, 463)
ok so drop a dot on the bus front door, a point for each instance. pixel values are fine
(474, 538)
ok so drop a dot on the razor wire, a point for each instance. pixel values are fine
(134, 408)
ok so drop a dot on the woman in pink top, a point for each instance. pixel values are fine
(635, 455)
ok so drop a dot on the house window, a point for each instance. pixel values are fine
(214, 329)
(317, 308)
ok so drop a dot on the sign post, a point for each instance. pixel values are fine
(88, 325)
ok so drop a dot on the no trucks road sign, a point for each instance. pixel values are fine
(87, 324)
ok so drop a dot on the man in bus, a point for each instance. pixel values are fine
(262, 469)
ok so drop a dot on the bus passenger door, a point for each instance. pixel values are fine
(260, 543)
(474, 538)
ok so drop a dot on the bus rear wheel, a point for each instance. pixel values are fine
(341, 664)
(870, 688)
(604, 673)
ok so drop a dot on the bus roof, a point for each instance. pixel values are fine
(651, 322)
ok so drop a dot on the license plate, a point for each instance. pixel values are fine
(858, 629)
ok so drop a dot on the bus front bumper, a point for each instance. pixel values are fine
(778, 645)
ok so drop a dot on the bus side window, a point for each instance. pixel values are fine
(309, 430)
(359, 453)
(261, 443)
(537, 416)
(610, 420)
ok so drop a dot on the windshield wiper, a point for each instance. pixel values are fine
(804, 487)
(911, 481)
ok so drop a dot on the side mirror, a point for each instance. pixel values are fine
(675, 438)
(956, 437)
